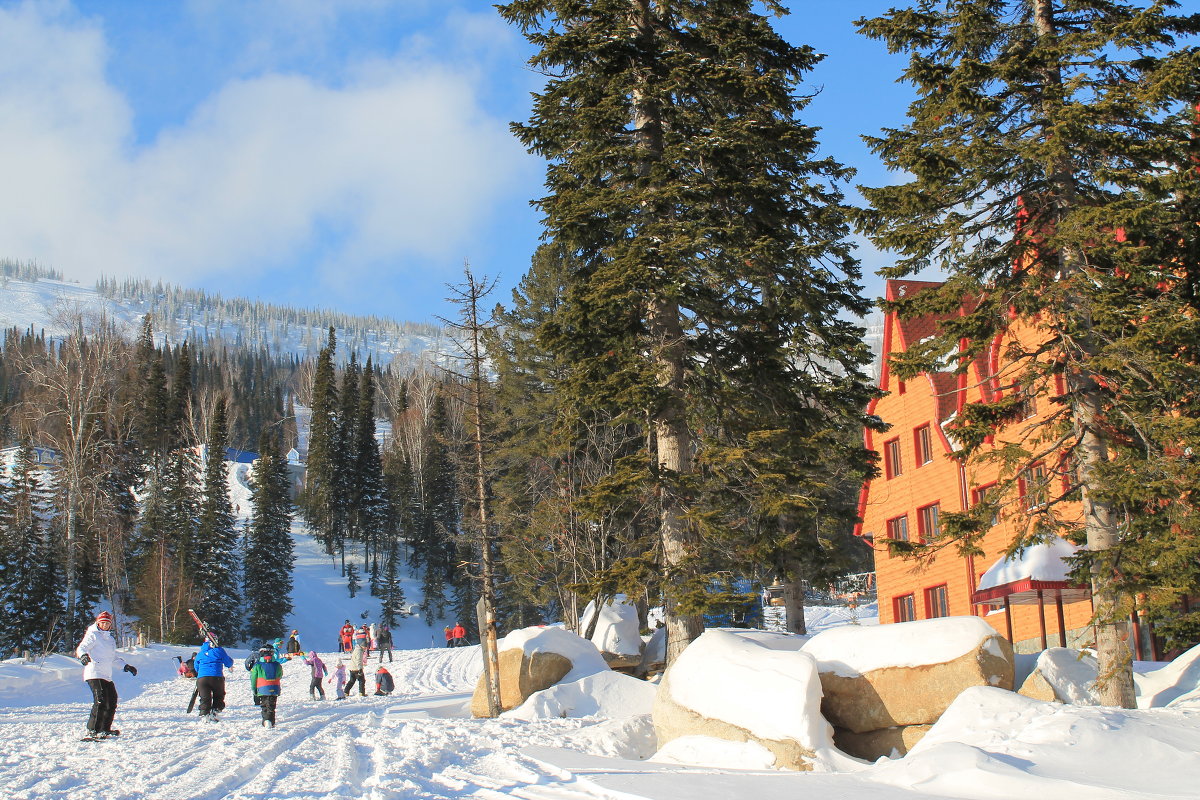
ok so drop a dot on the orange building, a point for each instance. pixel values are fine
(920, 480)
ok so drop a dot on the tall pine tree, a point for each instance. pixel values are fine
(217, 579)
(711, 276)
(268, 555)
(1050, 179)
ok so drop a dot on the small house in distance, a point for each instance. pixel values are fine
(1028, 599)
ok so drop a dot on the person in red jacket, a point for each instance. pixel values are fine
(347, 636)
(449, 636)
(460, 635)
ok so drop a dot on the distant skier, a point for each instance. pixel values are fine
(347, 636)
(318, 672)
(265, 677)
(356, 670)
(280, 651)
(211, 662)
(97, 651)
(374, 640)
(362, 638)
(293, 645)
(385, 643)
(339, 679)
(384, 685)
(459, 634)
(449, 636)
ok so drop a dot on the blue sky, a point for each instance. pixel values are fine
(339, 153)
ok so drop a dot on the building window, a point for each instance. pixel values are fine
(891, 458)
(1031, 486)
(937, 603)
(980, 495)
(903, 608)
(897, 528)
(927, 522)
(923, 445)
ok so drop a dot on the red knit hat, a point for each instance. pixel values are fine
(104, 616)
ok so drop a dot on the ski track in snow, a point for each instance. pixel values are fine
(419, 743)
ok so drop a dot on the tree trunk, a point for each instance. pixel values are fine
(1115, 679)
(793, 599)
(673, 455)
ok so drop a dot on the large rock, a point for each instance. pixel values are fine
(884, 742)
(734, 687)
(1063, 675)
(908, 673)
(533, 659)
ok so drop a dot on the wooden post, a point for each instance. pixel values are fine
(1062, 625)
(1042, 617)
(1008, 620)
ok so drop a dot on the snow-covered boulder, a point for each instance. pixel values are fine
(907, 674)
(533, 659)
(1175, 684)
(737, 688)
(1063, 675)
(605, 694)
(617, 633)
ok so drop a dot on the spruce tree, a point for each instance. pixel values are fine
(391, 591)
(711, 277)
(268, 555)
(218, 599)
(319, 497)
(370, 501)
(31, 596)
(1049, 177)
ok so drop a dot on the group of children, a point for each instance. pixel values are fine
(266, 674)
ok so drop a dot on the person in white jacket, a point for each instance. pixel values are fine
(98, 652)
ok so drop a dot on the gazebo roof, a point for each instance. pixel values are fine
(1038, 570)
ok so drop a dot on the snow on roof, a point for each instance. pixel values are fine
(1040, 562)
(774, 694)
(853, 650)
(584, 657)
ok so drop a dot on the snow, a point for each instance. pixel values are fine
(605, 694)
(584, 657)
(421, 742)
(1072, 673)
(617, 629)
(1045, 561)
(774, 694)
(851, 651)
(1174, 683)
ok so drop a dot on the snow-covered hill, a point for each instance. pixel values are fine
(194, 316)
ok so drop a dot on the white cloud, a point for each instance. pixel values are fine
(396, 161)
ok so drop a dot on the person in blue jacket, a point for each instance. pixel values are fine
(211, 662)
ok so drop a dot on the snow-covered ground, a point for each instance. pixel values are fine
(422, 743)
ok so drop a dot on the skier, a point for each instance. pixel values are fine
(293, 645)
(265, 676)
(97, 651)
(339, 679)
(347, 634)
(278, 648)
(362, 638)
(356, 670)
(318, 672)
(211, 663)
(384, 685)
(385, 643)
(460, 635)
(449, 637)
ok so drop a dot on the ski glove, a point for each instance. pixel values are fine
(85, 659)
(131, 669)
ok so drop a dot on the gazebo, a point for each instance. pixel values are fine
(1034, 575)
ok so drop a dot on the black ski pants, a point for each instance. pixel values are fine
(356, 675)
(315, 686)
(104, 704)
(267, 702)
(210, 690)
